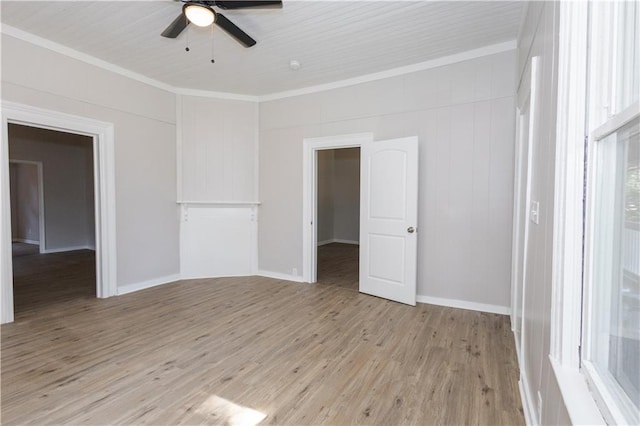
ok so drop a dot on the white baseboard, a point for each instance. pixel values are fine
(279, 276)
(22, 240)
(338, 240)
(463, 304)
(530, 417)
(204, 277)
(130, 288)
(61, 249)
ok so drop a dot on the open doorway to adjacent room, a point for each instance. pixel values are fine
(338, 216)
(53, 218)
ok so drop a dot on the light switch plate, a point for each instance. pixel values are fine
(534, 214)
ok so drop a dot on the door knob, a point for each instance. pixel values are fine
(410, 230)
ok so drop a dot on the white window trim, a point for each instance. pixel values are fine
(600, 386)
(580, 386)
(566, 299)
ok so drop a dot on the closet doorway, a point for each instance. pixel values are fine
(338, 217)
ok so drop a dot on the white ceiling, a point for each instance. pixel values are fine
(333, 40)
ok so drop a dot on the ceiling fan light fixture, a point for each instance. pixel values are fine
(199, 14)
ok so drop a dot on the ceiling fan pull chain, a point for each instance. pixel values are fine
(187, 39)
(212, 60)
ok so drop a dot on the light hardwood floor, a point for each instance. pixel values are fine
(198, 351)
(338, 265)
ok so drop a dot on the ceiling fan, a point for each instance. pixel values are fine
(201, 13)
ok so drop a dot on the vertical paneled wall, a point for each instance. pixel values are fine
(463, 115)
(217, 149)
(217, 157)
(541, 394)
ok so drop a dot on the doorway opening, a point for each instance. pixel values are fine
(338, 217)
(310, 214)
(52, 217)
(101, 137)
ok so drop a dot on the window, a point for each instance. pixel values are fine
(613, 351)
(611, 333)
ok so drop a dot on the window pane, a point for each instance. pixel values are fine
(615, 340)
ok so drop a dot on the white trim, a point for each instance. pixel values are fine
(395, 72)
(41, 223)
(576, 396)
(131, 288)
(279, 276)
(88, 59)
(220, 203)
(464, 304)
(63, 249)
(309, 189)
(604, 397)
(616, 122)
(215, 95)
(179, 147)
(338, 240)
(528, 407)
(566, 299)
(105, 204)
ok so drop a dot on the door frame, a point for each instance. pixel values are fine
(104, 193)
(311, 146)
(41, 224)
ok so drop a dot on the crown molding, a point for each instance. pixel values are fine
(395, 72)
(92, 60)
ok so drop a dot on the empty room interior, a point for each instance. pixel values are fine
(320, 212)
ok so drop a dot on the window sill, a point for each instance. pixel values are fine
(576, 395)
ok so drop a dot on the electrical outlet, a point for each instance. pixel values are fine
(539, 407)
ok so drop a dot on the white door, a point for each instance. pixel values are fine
(388, 219)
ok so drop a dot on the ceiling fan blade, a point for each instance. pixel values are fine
(175, 28)
(234, 31)
(241, 4)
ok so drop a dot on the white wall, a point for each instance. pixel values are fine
(325, 196)
(25, 203)
(217, 179)
(68, 183)
(463, 115)
(539, 37)
(147, 223)
(218, 146)
(346, 193)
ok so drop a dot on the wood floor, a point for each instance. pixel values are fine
(46, 283)
(338, 265)
(245, 350)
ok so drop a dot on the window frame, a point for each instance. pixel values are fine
(581, 102)
(612, 403)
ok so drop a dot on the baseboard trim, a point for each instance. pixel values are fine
(279, 276)
(463, 304)
(205, 277)
(338, 240)
(22, 240)
(62, 249)
(131, 288)
(528, 408)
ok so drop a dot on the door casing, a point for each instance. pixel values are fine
(104, 178)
